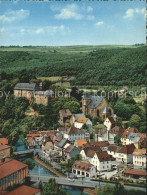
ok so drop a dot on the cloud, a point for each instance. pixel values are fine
(2, 30)
(131, 12)
(11, 15)
(90, 17)
(44, 30)
(69, 12)
(72, 11)
(99, 23)
(89, 9)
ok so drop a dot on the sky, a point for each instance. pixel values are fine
(68, 22)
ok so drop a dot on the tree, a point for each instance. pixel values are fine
(119, 189)
(73, 106)
(30, 163)
(95, 119)
(119, 122)
(76, 93)
(52, 188)
(135, 121)
(117, 139)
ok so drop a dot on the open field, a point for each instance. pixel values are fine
(56, 78)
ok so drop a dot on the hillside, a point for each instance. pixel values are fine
(89, 64)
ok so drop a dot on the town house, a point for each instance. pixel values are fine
(83, 169)
(139, 157)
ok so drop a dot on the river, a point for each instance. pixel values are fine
(42, 171)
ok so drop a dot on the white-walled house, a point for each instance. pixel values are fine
(125, 154)
(102, 161)
(126, 133)
(83, 169)
(74, 133)
(112, 150)
(139, 157)
(101, 135)
(109, 123)
(80, 121)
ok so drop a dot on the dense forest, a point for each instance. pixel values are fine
(102, 66)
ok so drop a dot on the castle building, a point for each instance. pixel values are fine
(96, 106)
(33, 93)
(25, 90)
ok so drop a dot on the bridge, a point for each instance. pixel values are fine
(27, 151)
(81, 182)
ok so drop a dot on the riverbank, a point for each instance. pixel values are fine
(51, 169)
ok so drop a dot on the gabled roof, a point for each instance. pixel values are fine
(74, 130)
(62, 143)
(133, 137)
(80, 142)
(103, 156)
(81, 119)
(116, 130)
(139, 152)
(65, 112)
(82, 165)
(127, 149)
(47, 93)
(3, 147)
(77, 115)
(3, 141)
(10, 166)
(24, 190)
(128, 131)
(111, 119)
(95, 101)
(26, 86)
(101, 133)
(114, 148)
(135, 172)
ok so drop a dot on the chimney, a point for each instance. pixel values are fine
(41, 86)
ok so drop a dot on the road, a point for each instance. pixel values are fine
(86, 182)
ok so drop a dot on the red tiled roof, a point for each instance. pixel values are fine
(112, 148)
(74, 130)
(10, 167)
(69, 148)
(127, 149)
(24, 190)
(128, 131)
(103, 156)
(116, 130)
(101, 132)
(3, 141)
(135, 172)
(111, 119)
(81, 119)
(81, 165)
(139, 152)
(80, 142)
(3, 147)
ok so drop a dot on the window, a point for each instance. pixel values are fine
(103, 167)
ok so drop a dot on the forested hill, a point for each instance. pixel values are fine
(103, 66)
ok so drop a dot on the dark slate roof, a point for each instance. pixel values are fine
(95, 101)
(47, 93)
(26, 86)
(62, 142)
